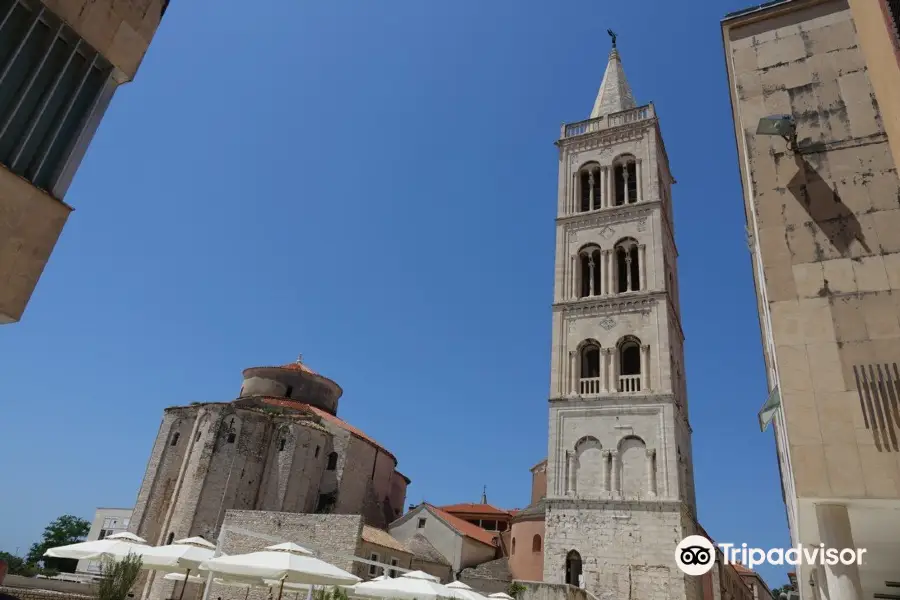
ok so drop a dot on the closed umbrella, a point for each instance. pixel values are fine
(182, 555)
(116, 546)
(286, 563)
(414, 585)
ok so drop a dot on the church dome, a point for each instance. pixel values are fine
(293, 381)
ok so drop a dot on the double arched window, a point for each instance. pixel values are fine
(595, 186)
(622, 369)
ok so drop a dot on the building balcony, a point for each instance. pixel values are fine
(632, 115)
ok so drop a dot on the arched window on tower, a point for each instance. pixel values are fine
(589, 260)
(590, 368)
(628, 266)
(332, 461)
(513, 546)
(589, 184)
(625, 174)
(573, 568)
(536, 543)
(175, 438)
(170, 538)
(630, 365)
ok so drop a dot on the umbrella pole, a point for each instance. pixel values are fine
(247, 595)
(186, 576)
(281, 588)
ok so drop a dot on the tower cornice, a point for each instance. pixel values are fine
(612, 214)
(619, 303)
(604, 136)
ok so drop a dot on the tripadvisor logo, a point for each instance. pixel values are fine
(696, 555)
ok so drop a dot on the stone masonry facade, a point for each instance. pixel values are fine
(273, 455)
(620, 489)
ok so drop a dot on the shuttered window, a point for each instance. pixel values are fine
(51, 81)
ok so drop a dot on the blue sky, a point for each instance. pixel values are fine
(373, 184)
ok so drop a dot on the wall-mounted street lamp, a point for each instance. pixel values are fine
(780, 125)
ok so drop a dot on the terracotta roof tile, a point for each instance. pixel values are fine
(741, 569)
(475, 508)
(464, 527)
(382, 538)
(326, 416)
(298, 366)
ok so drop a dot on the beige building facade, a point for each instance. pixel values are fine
(878, 31)
(107, 521)
(619, 475)
(823, 225)
(62, 61)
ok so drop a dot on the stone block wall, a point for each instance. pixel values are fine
(333, 538)
(538, 590)
(38, 594)
(625, 549)
(826, 232)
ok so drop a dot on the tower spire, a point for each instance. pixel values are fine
(484, 495)
(615, 93)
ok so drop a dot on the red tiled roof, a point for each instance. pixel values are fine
(473, 508)
(741, 569)
(326, 416)
(298, 366)
(464, 527)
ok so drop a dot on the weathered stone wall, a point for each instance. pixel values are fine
(537, 590)
(825, 226)
(625, 548)
(291, 480)
(333, 538)
(38, 594)
(484, 585)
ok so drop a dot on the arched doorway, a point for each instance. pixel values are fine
(573, 568)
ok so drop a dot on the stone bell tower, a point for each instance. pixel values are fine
(620, 488)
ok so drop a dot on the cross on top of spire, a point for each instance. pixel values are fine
(615, 93)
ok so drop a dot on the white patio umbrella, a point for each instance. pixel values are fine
(182, 555)
(242, 583)
(462, 591)
(501, 596)
(414, 585)
(116, 546)
(286, 563)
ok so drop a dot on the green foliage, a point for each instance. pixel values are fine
(16, 565)
(334, 593)
(118, 577)
(515, 588)
(67, 529)
(777, 592)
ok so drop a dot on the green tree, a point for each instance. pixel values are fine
(16, 565)
(67, 529)
(777, 592)
(515, 588)
(118, 577)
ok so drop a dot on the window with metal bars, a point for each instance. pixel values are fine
(893, 7)
(51, 82)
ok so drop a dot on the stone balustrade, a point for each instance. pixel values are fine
(624, 117)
